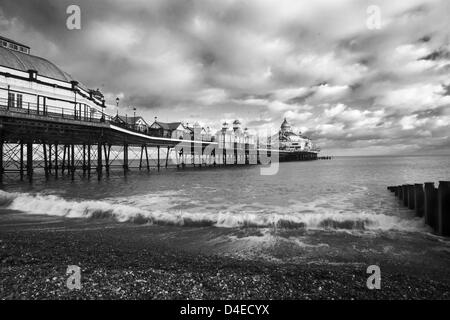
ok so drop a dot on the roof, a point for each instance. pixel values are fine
(285, 124)
(13, 41)
(129, 120)
(168, 125)
(24, 62)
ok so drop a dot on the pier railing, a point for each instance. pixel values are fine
(83, 113)
(429, 202)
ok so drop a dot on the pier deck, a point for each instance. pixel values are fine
(64, 141)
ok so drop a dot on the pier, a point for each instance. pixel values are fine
(429, 202)
(62, 141)
(52, 123)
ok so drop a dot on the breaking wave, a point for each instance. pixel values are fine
(116, 209)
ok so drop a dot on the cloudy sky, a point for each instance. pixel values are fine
(355, 89)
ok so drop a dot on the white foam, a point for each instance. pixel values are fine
(156, 208)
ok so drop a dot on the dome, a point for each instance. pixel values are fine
(285, 124)
(236, 122)
(224, 126)
(24, 62)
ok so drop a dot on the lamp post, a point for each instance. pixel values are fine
(134, 118)
(103, 110)
(117, 104)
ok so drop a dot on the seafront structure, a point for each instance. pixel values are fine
(32, 83)
(50, 121)
(291, 141)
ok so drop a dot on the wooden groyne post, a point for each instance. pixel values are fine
(411, 197)
(418, 199)
(444, 208)
(405, 194)
(428, 202)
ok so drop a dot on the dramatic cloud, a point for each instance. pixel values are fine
(352, 89)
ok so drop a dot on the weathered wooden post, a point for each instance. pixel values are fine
(411, 198)
(400, 192)
(444, 208)
(405, 194)
(430, 204)
(418, 199)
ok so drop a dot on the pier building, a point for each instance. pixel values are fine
(291, 141)
(29, 82)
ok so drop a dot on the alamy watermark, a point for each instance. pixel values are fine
(373, 21)
(73, 21)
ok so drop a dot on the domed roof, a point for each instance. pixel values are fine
(24, 62)
(236, 122)
(285, 124)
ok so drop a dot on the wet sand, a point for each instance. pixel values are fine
(131, 261)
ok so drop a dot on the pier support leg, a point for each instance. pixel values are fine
(2, 169)
(159, 160)
(167, 157)
(50, 165)
(146, 157)
(63, 166)
(21, 161)
(182, 159)
(89, 160)
(30, 161)
(56, 160)
(84, 159)
(99, 161)
(140, 159)
(72, 165)
(44, 149)
(107, 150)
(444, 208)
(125, 158)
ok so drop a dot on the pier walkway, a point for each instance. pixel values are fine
(62, 141)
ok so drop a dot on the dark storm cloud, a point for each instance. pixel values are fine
(315, 63)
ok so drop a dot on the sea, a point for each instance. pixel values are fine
(311, 204)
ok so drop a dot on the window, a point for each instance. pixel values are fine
(19, 101)
(10, 100)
